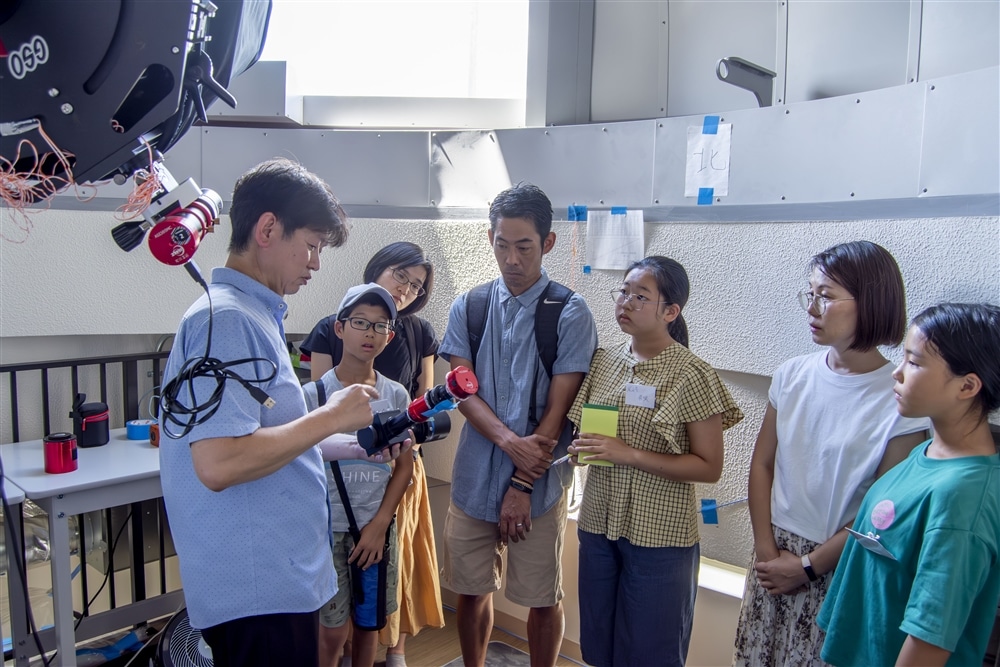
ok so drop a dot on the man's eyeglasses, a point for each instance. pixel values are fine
(400, 277)
(807, 300)
(361, 324)
(621, 297)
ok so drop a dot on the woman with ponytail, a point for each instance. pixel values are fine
(638, 525)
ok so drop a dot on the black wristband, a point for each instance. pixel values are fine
(807, 566)
(518, 486)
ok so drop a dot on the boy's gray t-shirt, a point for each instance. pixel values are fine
(365, 481)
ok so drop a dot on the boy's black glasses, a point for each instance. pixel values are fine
(361, 324)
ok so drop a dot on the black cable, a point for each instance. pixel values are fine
(20, 565)
(175, 412)
(111, 566)
(107, 574)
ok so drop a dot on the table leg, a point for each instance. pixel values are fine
(62, 582)
(19, 631)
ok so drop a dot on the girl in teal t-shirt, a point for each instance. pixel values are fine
(919, 580)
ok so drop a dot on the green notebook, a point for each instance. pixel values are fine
(600, 419)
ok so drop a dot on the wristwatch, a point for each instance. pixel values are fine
(808, 567)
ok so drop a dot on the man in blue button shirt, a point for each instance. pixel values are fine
(245, 489)
(502, 484)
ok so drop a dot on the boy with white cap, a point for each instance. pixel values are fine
(365, 325)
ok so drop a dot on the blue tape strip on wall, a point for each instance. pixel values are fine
(708, 511)
(619, 210)
(711, 125)
(705, 196)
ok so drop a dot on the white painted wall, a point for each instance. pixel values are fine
(68, 279)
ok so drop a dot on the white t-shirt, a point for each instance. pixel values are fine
(832, 432)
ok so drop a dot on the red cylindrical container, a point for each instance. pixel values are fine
(60, 453)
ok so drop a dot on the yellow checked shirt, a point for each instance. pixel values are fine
(621, 501)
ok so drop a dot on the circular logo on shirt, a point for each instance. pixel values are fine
(883, 514)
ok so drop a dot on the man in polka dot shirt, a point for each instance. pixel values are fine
(245, 489)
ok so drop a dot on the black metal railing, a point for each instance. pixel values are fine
(37, 391)
(127, 367)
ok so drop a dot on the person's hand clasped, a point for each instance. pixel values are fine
(782, 575)
(515, 516)
(352, 407)
(531, 454)
(601, 448)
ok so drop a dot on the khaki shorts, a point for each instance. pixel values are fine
(336, 612)
(473, 557)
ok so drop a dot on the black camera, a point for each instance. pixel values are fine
(383, 431)
(425, 415)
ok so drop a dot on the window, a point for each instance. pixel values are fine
(402, 48)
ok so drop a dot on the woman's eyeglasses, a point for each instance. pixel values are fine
(808, 300)
(400, 277)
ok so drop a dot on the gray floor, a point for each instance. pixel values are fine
(499, 654)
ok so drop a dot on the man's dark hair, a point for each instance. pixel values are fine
(295, 195)
(524, 200)
(870, 274)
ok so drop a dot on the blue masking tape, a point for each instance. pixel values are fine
(586, 268)
(705, 196)
(708, 511)
(576, 213)
(571, 213)
(138, 429)
(711, 125)
(619, 210)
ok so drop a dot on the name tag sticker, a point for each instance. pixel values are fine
(871, 542)
(640, 395)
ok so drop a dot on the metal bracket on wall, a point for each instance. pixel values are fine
(745, 74)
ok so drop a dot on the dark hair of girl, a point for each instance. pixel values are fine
(674, 287)
(967, 337)
(870, 273)
(402, 255)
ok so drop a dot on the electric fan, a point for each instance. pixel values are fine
(182, 645)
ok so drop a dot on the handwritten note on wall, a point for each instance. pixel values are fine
(707, 171)
(614, 238)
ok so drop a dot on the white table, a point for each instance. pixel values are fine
(119, 473)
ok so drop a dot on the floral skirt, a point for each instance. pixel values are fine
(781, 630)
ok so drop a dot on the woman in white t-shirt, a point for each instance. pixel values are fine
(830, 429)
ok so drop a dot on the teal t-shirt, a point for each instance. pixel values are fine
(940, 519)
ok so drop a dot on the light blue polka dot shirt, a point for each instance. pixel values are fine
(262, 547)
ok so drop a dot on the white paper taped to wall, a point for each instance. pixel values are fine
(614, 238)
(708, 159)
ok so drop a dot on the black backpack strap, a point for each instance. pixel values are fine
(337, 475)
(345, 501)
(477, 305)
(320, 393)
(548, 310)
